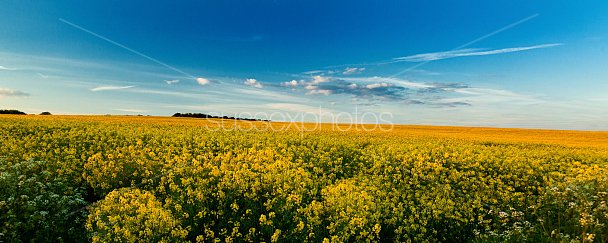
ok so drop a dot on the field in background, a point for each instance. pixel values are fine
(596, 139)
(107, 178)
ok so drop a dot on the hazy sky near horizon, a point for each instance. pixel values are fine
(540, 64)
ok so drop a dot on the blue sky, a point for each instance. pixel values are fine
(540, 64)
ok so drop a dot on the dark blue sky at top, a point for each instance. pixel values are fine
(284, 36)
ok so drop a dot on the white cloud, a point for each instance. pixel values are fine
(7, 68)
(361, 86)
(106, 88)
(394, 81)
(292, 83)
(429, 93)
(253, 83)
(320, 92)
(202, 81)
(319, 79)
(378, 85)
(424, 57)
(349, 70)
(174, 81)
(311, 87)
(4, 92)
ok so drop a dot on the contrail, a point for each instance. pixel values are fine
(516, 23)
(127, 48)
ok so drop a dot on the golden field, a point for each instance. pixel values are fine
(117, 178)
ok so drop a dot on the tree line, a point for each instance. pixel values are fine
(12, 112)
(18, 112)
(201, 115)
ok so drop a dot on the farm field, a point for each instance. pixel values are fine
(115, 178)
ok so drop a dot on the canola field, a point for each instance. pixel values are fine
(160, 179)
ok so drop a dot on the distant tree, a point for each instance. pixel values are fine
(12, 112)
(45, 113)
(200, 115)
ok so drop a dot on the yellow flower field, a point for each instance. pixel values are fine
(113, 178)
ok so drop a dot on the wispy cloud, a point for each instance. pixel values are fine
(426, 72)
(378, 85)
(320, 92)
(202, 81)
(170, 82)
(320, 79)
(478, 96)
(4, 92)
(7, 68)
(346, 71)
(125, 47)
(190, 94)
(253, 83)
(130, 110)
(107, 88)
(425, 57)
(313, 72)
(396, 81)
(352, 70)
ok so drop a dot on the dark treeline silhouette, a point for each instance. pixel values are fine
(200, 115)
(12, 112)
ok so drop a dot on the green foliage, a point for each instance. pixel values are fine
(576, 209)
(35, 205)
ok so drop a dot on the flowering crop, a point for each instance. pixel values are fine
(174, 179)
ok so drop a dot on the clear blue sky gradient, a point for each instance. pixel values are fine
(549, 71)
